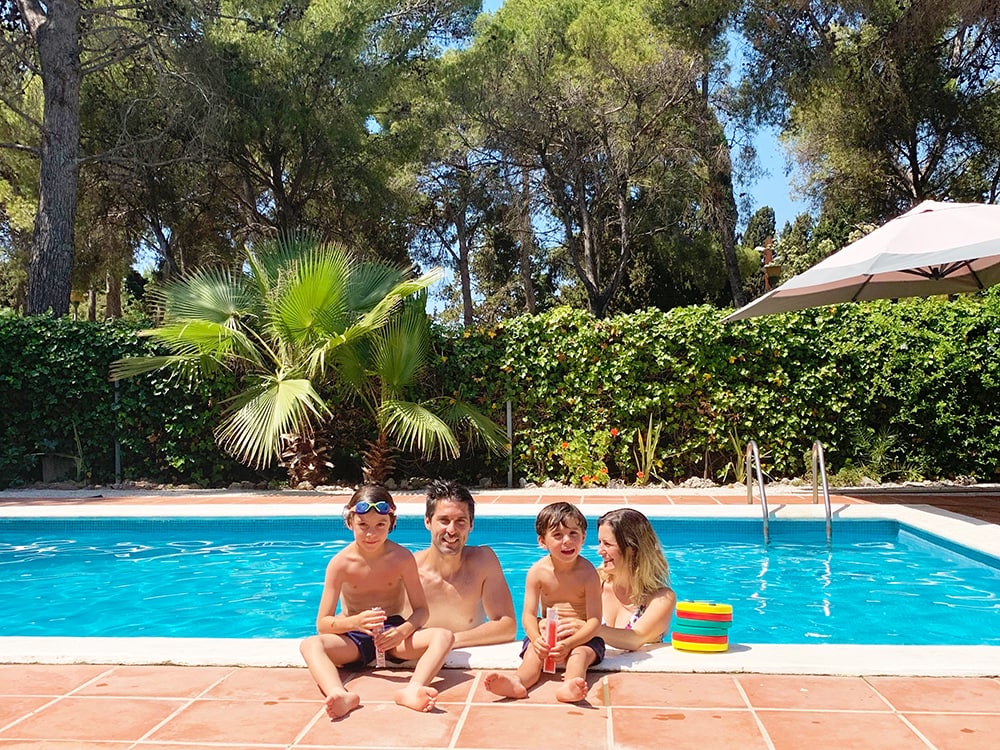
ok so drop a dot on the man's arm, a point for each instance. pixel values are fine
(501, 622)
(414, 592)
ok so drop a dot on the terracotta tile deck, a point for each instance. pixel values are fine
(119, 707)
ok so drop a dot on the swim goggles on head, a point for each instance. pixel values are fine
(381, 507)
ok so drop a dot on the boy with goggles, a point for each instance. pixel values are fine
(371, 579)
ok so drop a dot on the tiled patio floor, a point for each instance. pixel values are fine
(115, 707)
(90, 707)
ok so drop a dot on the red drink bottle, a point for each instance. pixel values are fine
(551, 623)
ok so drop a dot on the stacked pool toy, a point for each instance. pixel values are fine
(702, 626)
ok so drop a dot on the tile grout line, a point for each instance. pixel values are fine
(899, 714)
(184, 704)
(606, 696)
(54, 700)
(306, 729)
(460, 724)
(753, 713)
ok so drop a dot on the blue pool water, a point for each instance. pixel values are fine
(878, 583)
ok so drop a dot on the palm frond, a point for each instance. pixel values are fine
(372, 281)
(350, 360)
(399, 351)
(268, 260)
(415, 427)
(206, 338)
(183, 366)
(253, 423)
(378, 315)
(196, 346)
(211, 294)
(477, 426)
(372, 320)
(311, 303)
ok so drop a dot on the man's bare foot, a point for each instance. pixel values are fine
(341, 704)
(572, 690)
(417, 697)
(509, 686)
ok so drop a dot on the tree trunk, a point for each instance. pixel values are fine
(726, 216)
(57, 34)
(464, 274)
(113, 298)
(526, 241)
(720, 202)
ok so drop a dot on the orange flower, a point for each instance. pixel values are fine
(604, 469)
(614, 432)
(639, 475)
(565, 445)
(585, 479)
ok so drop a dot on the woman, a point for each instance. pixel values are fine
(636, 601)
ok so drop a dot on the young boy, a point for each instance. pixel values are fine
(371, 578)
(570, 583)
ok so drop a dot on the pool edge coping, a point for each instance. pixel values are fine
(825, 659)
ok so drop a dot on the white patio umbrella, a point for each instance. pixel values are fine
(934, 248)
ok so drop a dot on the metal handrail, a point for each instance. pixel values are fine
(818, 462)
(753, 453)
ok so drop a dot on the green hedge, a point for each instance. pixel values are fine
(900, 388)
(57, 399)
(897, 389)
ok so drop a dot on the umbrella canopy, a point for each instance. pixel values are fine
(934, 248)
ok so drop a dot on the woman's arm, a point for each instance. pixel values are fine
(649, 628)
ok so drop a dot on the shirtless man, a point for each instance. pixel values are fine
(465, 587)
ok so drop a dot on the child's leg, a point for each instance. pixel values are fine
(323, 653)
(516, 686)
(574, 686)
(430, 646)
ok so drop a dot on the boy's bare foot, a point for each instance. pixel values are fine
(417, 697)
(341, 704)
(509, 686)
(572, 690)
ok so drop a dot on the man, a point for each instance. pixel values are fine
(465, 586)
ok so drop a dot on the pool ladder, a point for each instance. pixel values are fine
(818, 474)
(818, 462)
(753, 469)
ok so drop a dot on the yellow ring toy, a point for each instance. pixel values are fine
(686, 643)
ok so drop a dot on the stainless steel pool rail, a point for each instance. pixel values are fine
(819, 477)
(753, 469)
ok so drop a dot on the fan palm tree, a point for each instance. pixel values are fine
(293, 317)
(383, 371)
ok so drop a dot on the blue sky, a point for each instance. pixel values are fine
(773, 189)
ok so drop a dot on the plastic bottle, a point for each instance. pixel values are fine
(551, 624)
(379, 653)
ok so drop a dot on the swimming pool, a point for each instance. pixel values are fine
(227, 577)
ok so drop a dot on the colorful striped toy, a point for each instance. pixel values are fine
(702, 626)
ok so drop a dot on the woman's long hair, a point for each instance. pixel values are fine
(647, 568)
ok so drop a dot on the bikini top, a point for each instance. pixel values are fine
(639, 612)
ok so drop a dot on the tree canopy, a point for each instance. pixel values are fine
(556, 151)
